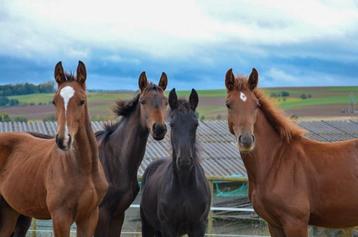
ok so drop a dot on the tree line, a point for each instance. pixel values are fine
(26, 88)
(22, 89)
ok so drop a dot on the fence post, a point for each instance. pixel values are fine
(210, 217)
(33, 227)
(347, 232)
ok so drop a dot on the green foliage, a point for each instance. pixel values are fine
(5, 101)
(19, 119)
(280, 94)
(26, 88)
(4, 117)
(303, 96)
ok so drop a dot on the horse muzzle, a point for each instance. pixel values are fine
(246, 142)
(159, 131)
(64, 143)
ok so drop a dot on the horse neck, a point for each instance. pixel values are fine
(259, 162)
(128, 142)
(86, 146)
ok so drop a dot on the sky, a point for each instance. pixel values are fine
(290, 43)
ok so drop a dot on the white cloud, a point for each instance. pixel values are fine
(167, 29)
(276, 77)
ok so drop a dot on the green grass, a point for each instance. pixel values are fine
(33, 98)
(102, 102)
(92, 97)
(295, 103)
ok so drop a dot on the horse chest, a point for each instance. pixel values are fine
(260, 203)
(182, 208)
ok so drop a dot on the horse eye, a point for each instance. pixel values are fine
(82, 102)
(142, 102)
(54, 102)
(228, 105)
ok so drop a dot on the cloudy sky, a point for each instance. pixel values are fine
(291, 43)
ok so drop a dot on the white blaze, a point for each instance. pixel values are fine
(243, 96)
(66, 93)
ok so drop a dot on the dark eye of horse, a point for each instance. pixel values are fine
(142, 102)
(82, 102)
(228, 105)
(53, 102)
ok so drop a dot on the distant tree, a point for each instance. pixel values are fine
(303, 96)
(26, 88)
(4, 117)
(285, 93)
(5, 101)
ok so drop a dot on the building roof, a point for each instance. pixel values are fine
(219, 154)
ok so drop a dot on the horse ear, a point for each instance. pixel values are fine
(173, 99)
(59, 73)
(253, 79)
(142, 82)
(81, 72)
(163, 81)
(193, 99)
(229, 80)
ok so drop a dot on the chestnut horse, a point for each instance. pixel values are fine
(122, 147)
(59, 178)
(293, 181)
(176, 194)
(121, 151)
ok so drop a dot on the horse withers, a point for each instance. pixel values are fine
(176, 195)
(60, 178)
(293, 181)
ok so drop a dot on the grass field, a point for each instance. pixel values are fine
(329, 101)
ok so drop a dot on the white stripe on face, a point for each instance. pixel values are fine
(243, 96)
(66, 93)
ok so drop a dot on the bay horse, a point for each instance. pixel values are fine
(121, 151)
(293, 181)
(60, 178)
(176, 195)
(122, 147)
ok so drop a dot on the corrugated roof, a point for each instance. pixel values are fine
(219, 154)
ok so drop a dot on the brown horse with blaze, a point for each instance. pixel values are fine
(293, 181)
(60, 178)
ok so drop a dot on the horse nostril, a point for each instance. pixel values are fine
(240, 138)
(253, 138)
(159, 129)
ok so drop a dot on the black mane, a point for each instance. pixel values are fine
(125, 108)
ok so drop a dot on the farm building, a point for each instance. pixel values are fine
(232, 212)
